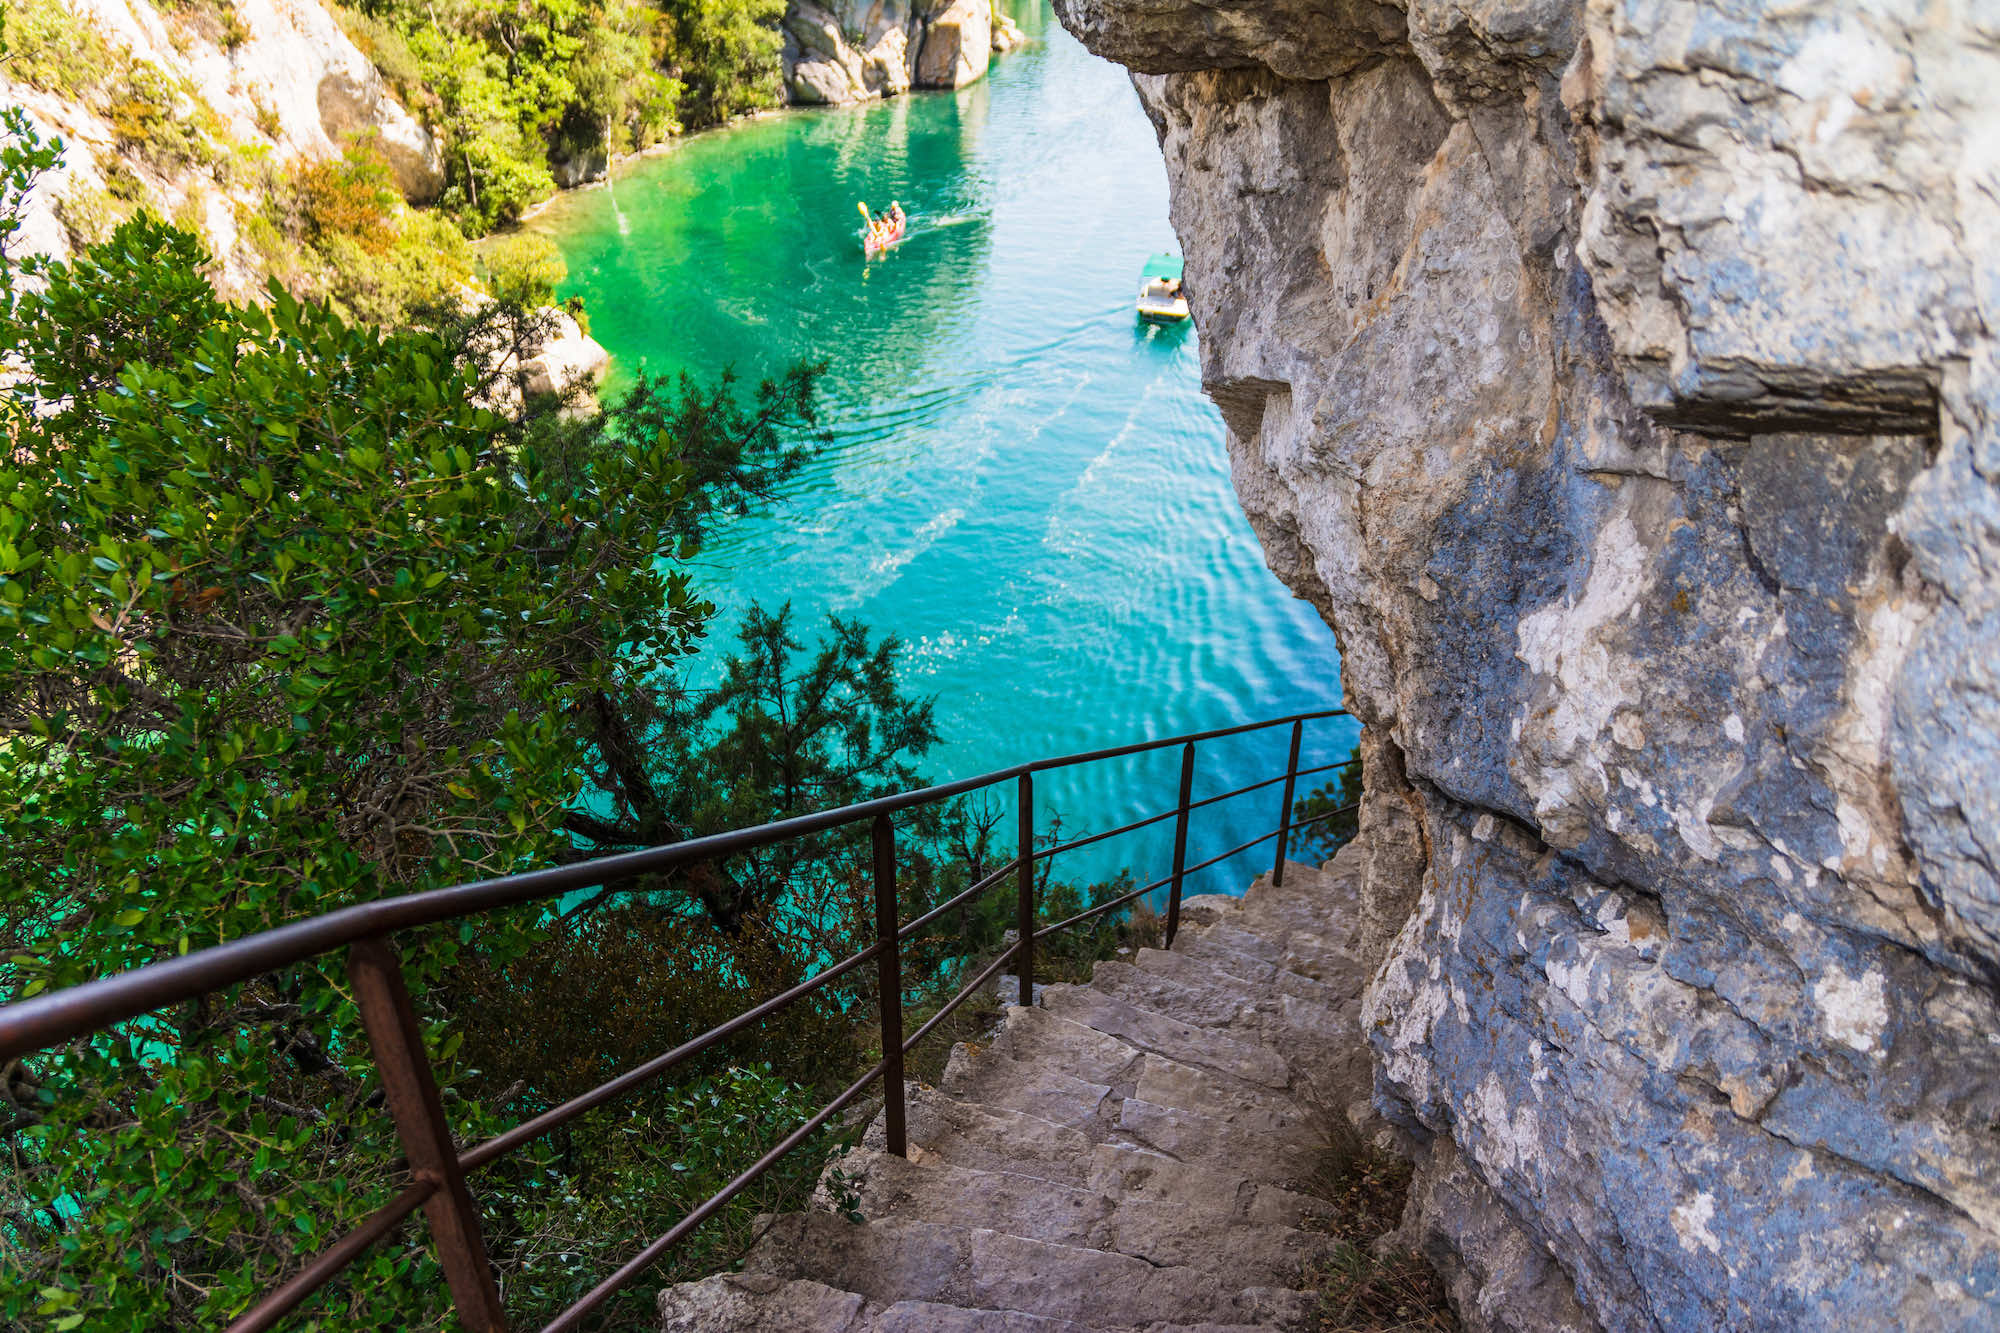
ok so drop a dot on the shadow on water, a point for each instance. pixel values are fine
(1026, 484)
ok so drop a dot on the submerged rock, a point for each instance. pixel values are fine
(1007, 34)
(1621, 384)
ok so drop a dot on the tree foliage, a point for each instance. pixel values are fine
(515, 87)
(289, 621)
(1334, 808)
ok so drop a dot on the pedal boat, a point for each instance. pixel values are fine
(1161, 300)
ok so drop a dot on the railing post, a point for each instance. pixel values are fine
(411, 1091)
(889, 985)
(1285, 810)
(1180, 843)
(1024, 914)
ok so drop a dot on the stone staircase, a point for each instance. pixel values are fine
(1134, 1154)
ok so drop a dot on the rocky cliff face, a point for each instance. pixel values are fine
(281, 81)
(1620, 381)
(843, 51)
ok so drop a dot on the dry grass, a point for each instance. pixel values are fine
(972, 1021)
(1366, 1285)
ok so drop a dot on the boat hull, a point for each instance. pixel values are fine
(871, 246)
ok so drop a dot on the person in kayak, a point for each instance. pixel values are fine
(883, 231)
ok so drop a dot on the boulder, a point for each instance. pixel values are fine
(957, 45)
(1007, 34)
(570, 357)
(1622, 384)
(846, 51)
(590, 164)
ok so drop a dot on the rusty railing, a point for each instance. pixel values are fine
(438, 1171)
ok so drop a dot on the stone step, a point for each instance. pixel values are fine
(1297, 1028)
(1045, 1037)
(1201, 1232)
(1312, 953)
(1156, 1033)
(759, 1303)
(1246, 971)
(1187, 1137)
(936, 1191)
(1134, 1156)
(989, 1139)
(1204, 909)
(1184, 1087)
(997, 1080)
(1134, 1174)
(1209, 1004)
(1249, 943)
(1051, 1037)
(899, 1260)
(928, 1317)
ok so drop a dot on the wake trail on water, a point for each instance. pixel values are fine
(617, 213)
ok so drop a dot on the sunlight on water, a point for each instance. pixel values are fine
(1027, 485)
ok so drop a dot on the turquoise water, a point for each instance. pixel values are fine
(1027, 485)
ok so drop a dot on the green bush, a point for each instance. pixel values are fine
(524, 268)
(351, 197)
(268, 645)
(425, 268)
(1330, 799)
(48, 48)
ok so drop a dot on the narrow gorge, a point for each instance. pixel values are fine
(1619, 381)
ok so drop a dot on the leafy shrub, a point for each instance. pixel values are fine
(89, 215)
(215, 21)
(425, 268)
(268, 645)
(651, 1162)
(1322, 839)
(48, 48)
(524, 268)
(155, 117)
(351, 197)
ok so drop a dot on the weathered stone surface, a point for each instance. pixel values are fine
(841, 51)
(293, 85)
(568, 357)
(957, 45)
(1620, 381)
(758, 1303)
(1314, 40)
(1007, 34)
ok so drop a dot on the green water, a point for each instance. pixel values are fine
(1027, 484)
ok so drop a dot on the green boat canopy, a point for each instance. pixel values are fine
(1161, 266)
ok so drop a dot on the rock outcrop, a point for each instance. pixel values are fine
(283, 80)
(845, 51)
(1620, 382)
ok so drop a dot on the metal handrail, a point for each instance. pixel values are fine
(410, 1090)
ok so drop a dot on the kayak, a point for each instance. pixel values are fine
(872, 242)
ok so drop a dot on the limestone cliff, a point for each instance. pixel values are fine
(1620, 381)
(172, 108)
(841, 51)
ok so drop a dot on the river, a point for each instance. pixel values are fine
(1027, 485)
